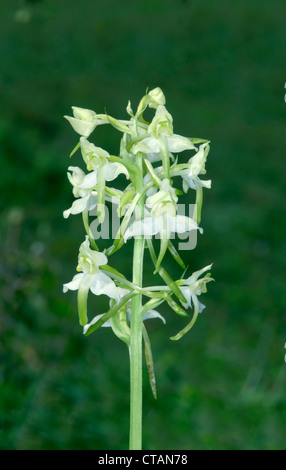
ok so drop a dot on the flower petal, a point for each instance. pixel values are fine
(153, 314)
(181, 224)
(194, 277)
(177, 143)
(147, 227)
(154, 157)
(84, 128)
(78, 206)
(114, 169)
(74, 283)
(201, 306)
(187, 294)
(147, 145)
(83, 113)
(89, 181)
(77, 175)
(102, 284)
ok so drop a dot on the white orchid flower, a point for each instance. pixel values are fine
(86, 198)
(191, 288)
(160, 133)
(97, 160)
(84, 121)
(162, 219)
(196, 167)
(102, 169)
(91, 278)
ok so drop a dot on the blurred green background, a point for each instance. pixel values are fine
(221, 66)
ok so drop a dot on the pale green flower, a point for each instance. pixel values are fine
(193, 286)
(98, 160)
(91, 278)
(84, 121)
(86, 198)
(160, 133)
(161, 219)
(196, 167)
(163, 200)
(156, 98)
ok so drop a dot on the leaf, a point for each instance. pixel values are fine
(109, 314)
(198, 140)
(163, 249)
(152, 172)
(125, 199)
(101, 195)
(176, 255)
(119, 240)
(120, 126)
(151, 304)
(198, 205)
(75, 149)
(149, 362)
(111, 271)
(116, 323)
(164, 275)
(130, 165)
(176, 307)
(87, 229)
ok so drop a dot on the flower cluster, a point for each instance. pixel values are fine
(148, 158)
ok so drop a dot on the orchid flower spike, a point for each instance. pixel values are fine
(148, 206)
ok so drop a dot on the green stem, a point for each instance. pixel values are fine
(136, 325)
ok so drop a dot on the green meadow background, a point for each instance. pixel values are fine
(222, 68)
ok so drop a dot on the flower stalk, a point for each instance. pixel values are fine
(136, 326)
